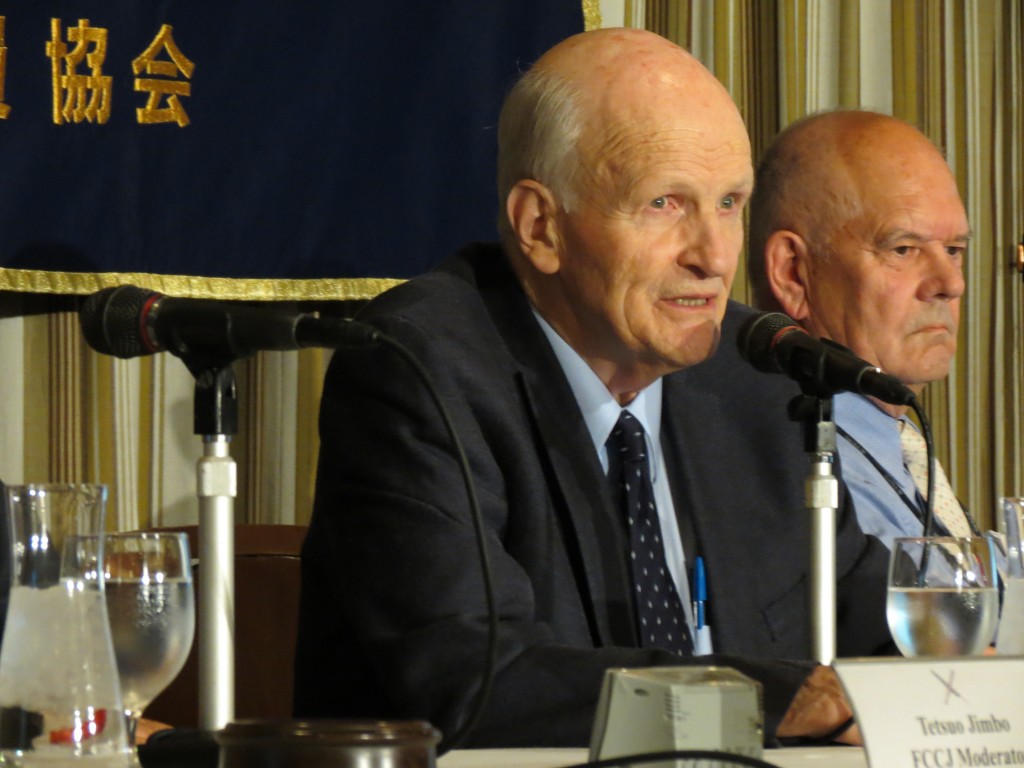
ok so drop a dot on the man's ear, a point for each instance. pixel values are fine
(787, 266)
(531, 210)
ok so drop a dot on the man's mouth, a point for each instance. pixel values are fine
(691, 302)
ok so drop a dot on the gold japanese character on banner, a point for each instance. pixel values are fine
(77, 96)
(5, 109)
(171, 89)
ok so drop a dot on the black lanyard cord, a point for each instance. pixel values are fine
(913, 506)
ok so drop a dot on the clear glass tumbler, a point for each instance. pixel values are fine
(942, 598)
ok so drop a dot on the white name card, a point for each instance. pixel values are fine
(938, 712)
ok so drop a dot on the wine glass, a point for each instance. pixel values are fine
(942, 597)
(151, 606)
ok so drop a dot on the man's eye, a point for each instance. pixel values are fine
(903, 250)
(956, 251)
(660, 203)
(729, 202)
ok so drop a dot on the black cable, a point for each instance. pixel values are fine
(483, 694)
(683, 754)
(884, 473)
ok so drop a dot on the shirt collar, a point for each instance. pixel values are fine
(869, 425)
(601, 410)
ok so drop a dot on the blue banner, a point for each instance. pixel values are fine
(257, 149)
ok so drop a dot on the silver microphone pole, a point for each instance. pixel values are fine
(821, 498)
(216, 479)
(216, 419)
(822, 492)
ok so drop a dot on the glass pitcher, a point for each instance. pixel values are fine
(60, 701)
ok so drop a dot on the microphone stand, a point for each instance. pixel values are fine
(216, 419)
(821, 494)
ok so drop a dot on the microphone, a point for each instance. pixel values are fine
(127, 321)
(774, 343)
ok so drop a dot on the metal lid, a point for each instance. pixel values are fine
(323, 733)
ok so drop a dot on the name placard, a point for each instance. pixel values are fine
(938, 712)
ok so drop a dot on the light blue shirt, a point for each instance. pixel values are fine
(880, 509)
(600, 412)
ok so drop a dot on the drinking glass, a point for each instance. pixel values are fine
(1010, 520)
(152, 613)
(942, 597)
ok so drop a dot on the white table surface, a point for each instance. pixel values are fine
(798, 757)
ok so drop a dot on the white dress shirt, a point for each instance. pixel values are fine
(601, 412)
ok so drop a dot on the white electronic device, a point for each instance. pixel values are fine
(657, 709)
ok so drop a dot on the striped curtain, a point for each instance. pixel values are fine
(953, 68)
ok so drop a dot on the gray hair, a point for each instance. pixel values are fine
(803, 185)
(538, 136)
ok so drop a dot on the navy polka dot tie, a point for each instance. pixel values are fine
(660, 615)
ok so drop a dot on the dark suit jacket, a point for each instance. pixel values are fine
(393, 617)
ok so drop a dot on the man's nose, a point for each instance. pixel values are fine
(945, 275)
(714, 246)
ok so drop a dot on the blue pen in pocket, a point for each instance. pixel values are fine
(702, 635)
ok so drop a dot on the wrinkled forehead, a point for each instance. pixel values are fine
(646, 102)
(909, 178)
(664, 116)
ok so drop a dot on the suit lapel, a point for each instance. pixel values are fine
(702, 483)
(579, 490)
(711, 485)
(581, 496)
(687, 411)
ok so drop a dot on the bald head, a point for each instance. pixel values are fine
(600, 81)
(610, 64)
(818, 172)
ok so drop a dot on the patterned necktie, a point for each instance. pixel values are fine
(659, 609)
(947, 508)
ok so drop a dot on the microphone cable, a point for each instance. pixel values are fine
(929, 503)
(490, 659)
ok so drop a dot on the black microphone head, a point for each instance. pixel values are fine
(112, 321)
(775, 343)
(756, 339)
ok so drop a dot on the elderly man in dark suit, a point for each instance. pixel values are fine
(624, 169)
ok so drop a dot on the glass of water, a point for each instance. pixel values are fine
(151, 606)
(942, 597)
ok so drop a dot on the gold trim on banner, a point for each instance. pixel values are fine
(184, 286)
(591, 14)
